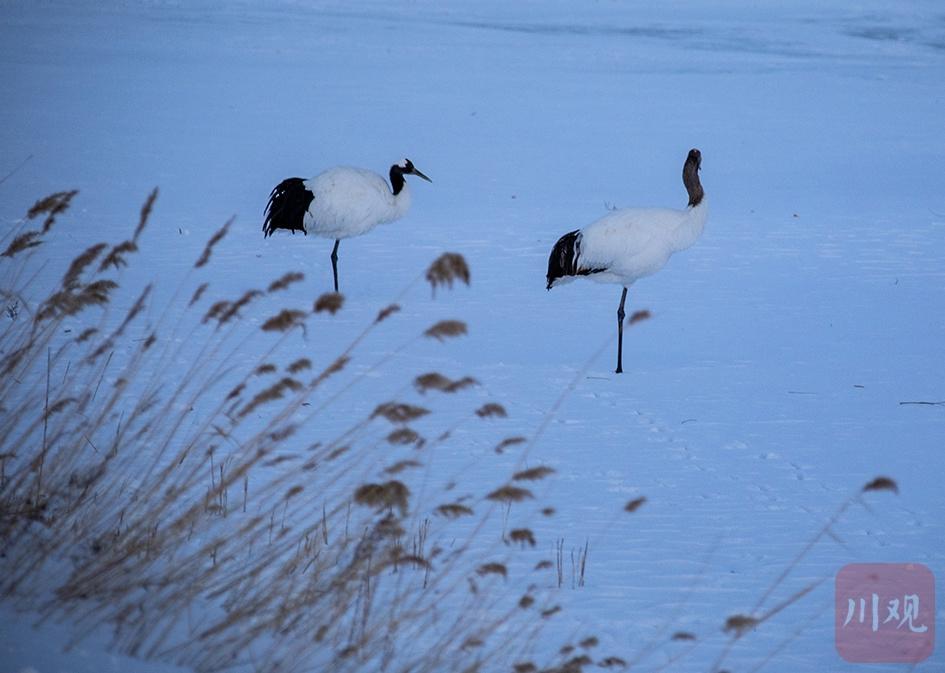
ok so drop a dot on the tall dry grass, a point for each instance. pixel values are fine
(158, 480)
(174, 479)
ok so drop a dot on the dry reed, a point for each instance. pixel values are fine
(134, 499)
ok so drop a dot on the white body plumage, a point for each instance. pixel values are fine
(351, 201)
(632, 243)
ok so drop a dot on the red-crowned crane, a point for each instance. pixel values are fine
(339, 203)
(631, 243)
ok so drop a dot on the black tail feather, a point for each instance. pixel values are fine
(287, 206)
(565, 259)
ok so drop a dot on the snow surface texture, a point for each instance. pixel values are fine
(767, 387)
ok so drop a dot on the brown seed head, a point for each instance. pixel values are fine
(71, 280)
(86, 335)
(446, 329)
(492, 569)
(523, 536)
(638, 316)
(299, 365)
(403, 437)
(24, 241)
(285, 320)
(634, 504)
(612, 662)
(400, 558)
(232, 310)
(396, 412)
(510, 493)
(491, 409)
(198, 293)
(216, 238)
(882, 484)
(388, 494)
(435, 381)
(386, 312)
(145, 213)
(116, 256)
(274, 392)
(740, 624)
(336, 366)
(285, 281)
(401, 465)
(453, 510)
(431, 381)
(216, 310)
(51, 206)
(330, 301)
(446, 268)
(533, 474)
(507, 442)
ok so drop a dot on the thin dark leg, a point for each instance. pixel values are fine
(620, 316)
(334, 262)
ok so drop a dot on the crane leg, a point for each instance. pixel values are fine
(620, 317)
(334, 262)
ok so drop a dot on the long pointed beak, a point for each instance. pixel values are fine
(421, 175)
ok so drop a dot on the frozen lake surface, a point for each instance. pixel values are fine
(764, 392)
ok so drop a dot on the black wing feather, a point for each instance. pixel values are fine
(288, 203)
(565, 258)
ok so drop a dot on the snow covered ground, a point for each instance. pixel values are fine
(765, 390)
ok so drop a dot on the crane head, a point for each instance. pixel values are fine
(695, 156)
(407, 168)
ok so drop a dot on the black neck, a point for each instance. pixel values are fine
(690, 177)
(396, 179)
